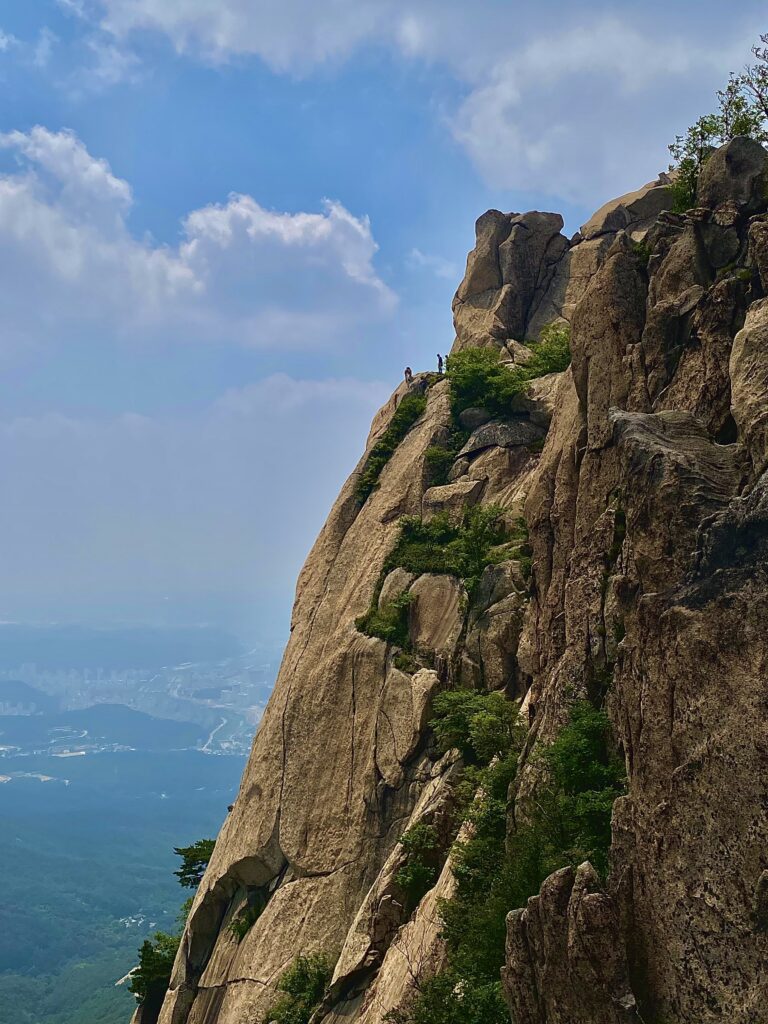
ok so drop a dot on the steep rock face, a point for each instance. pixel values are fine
(648, 517)
(335, 770)
(665, 438)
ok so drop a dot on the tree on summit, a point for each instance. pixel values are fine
(742, 109)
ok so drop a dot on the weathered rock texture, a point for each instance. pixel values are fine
(648, 519)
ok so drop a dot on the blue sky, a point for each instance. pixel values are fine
(227, 225)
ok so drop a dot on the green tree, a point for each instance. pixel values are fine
(418, 874)
(755, 76)
(742, 109)
(149, 981)
(194, 861)
(480, 725)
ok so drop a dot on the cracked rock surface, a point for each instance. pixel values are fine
(646, 501)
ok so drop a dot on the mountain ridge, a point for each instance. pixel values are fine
(638, 584)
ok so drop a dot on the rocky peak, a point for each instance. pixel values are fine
(524, 273)
(638, 585)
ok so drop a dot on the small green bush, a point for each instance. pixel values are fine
(249, 914)
(537, 446)
(439, 459)
(408, 411)
(418, 874)
(477, 378)
(641, 252)
(406, 662)
(304, 985)
(390, 622)
(438, 462)
(461, 549)
(619, 533)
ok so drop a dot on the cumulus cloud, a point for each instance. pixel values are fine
(241, 273)
(584, 109)
(292, 35)
(206, 506)
(571, 113)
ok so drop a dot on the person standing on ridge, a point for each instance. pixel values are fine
(408, 375)
(439, 363)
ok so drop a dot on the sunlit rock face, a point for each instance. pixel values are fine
(641, 474)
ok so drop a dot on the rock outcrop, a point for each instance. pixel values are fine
(642, 475)
(524, 273)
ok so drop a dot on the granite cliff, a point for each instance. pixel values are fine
(641, 474)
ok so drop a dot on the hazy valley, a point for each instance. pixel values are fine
(109, 757)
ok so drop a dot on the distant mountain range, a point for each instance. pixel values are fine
(18, 698)
(101, 727)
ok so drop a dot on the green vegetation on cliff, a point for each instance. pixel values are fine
(495, 872)
(461, 548)
(419, 873)
(149, 981)
(303, 985)
(478, 379)
(408, 411)
(390, 622)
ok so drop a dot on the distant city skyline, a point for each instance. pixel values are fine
(226, 227)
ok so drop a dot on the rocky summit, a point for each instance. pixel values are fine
(593, 540)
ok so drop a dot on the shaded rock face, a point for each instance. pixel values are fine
(565, 955)
(663, 435)
(647, 511)
(736, 173)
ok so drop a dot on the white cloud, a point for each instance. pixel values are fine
(291, 35)
(580, 112)
(43, 48)
(437, 265)
(196, 506)
(78, 8)
(110, 65)
(241, 273)
(569, 114)
(7, 41)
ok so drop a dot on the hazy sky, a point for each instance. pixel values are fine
(227, 225)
